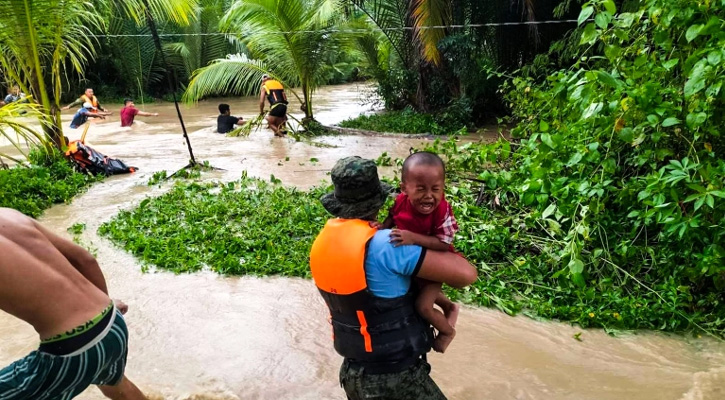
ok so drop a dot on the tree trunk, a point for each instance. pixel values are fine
(425, 73)
(307, 101)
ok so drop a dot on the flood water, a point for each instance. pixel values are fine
(204, 336)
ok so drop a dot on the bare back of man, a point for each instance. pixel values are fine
(38, 283)
(57, 287)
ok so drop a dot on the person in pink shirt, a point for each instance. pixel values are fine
(423, 217)
(129, 112)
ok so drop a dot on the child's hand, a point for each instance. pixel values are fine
(400, 237)
(376, 225)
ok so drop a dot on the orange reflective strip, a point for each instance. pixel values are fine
(364, 331)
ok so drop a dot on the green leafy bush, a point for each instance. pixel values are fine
(610, 210)
(49, 180)
(452, 119)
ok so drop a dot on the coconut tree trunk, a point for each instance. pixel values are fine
(51, 124)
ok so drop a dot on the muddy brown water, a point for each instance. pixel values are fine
(204, 336)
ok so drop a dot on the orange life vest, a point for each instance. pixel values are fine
(275, 92)
(93, 101)
(366, 328)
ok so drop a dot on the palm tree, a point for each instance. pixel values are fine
(290, 40)
(412, 29)
(44, 41)
(403, 24)
(134, 54)
(200, 46)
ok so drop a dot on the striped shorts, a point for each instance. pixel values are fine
(44, 376)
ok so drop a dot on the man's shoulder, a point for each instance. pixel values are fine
(402, 259)
(380, 240)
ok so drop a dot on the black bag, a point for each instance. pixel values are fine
(89, 160)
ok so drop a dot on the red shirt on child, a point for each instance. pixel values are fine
(127, 115)
(440, 223)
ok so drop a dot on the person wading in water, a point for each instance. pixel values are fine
(366, 283)
(87, 97)
(273, 91)
(57, 287)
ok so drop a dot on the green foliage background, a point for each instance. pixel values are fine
(611, 200)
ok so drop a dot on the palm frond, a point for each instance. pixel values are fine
(292, 38)
(390, 16)
(235, 75)
(426, 15)
(15, 129)
(178, 11)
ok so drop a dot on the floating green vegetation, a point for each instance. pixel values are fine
(192, 172)
(77, 228)
(244, 227)
(49, 180)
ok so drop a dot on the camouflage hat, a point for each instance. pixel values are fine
(358, 190)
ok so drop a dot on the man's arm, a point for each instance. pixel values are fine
(147, 114)
(103, 109)
(448, 268)
(261, 100)
(81, 259)
(78, 101)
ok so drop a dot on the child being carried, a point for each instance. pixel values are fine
(423, 217)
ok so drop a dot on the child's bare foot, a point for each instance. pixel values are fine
(441, 342)
(451, 313)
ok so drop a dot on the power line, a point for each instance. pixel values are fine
(402, 28)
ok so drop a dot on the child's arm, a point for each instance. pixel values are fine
(400, 237)
(388, 223)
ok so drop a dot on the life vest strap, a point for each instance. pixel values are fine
(396, 314)
(364, 331)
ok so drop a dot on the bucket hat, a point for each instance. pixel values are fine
(358, 191)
